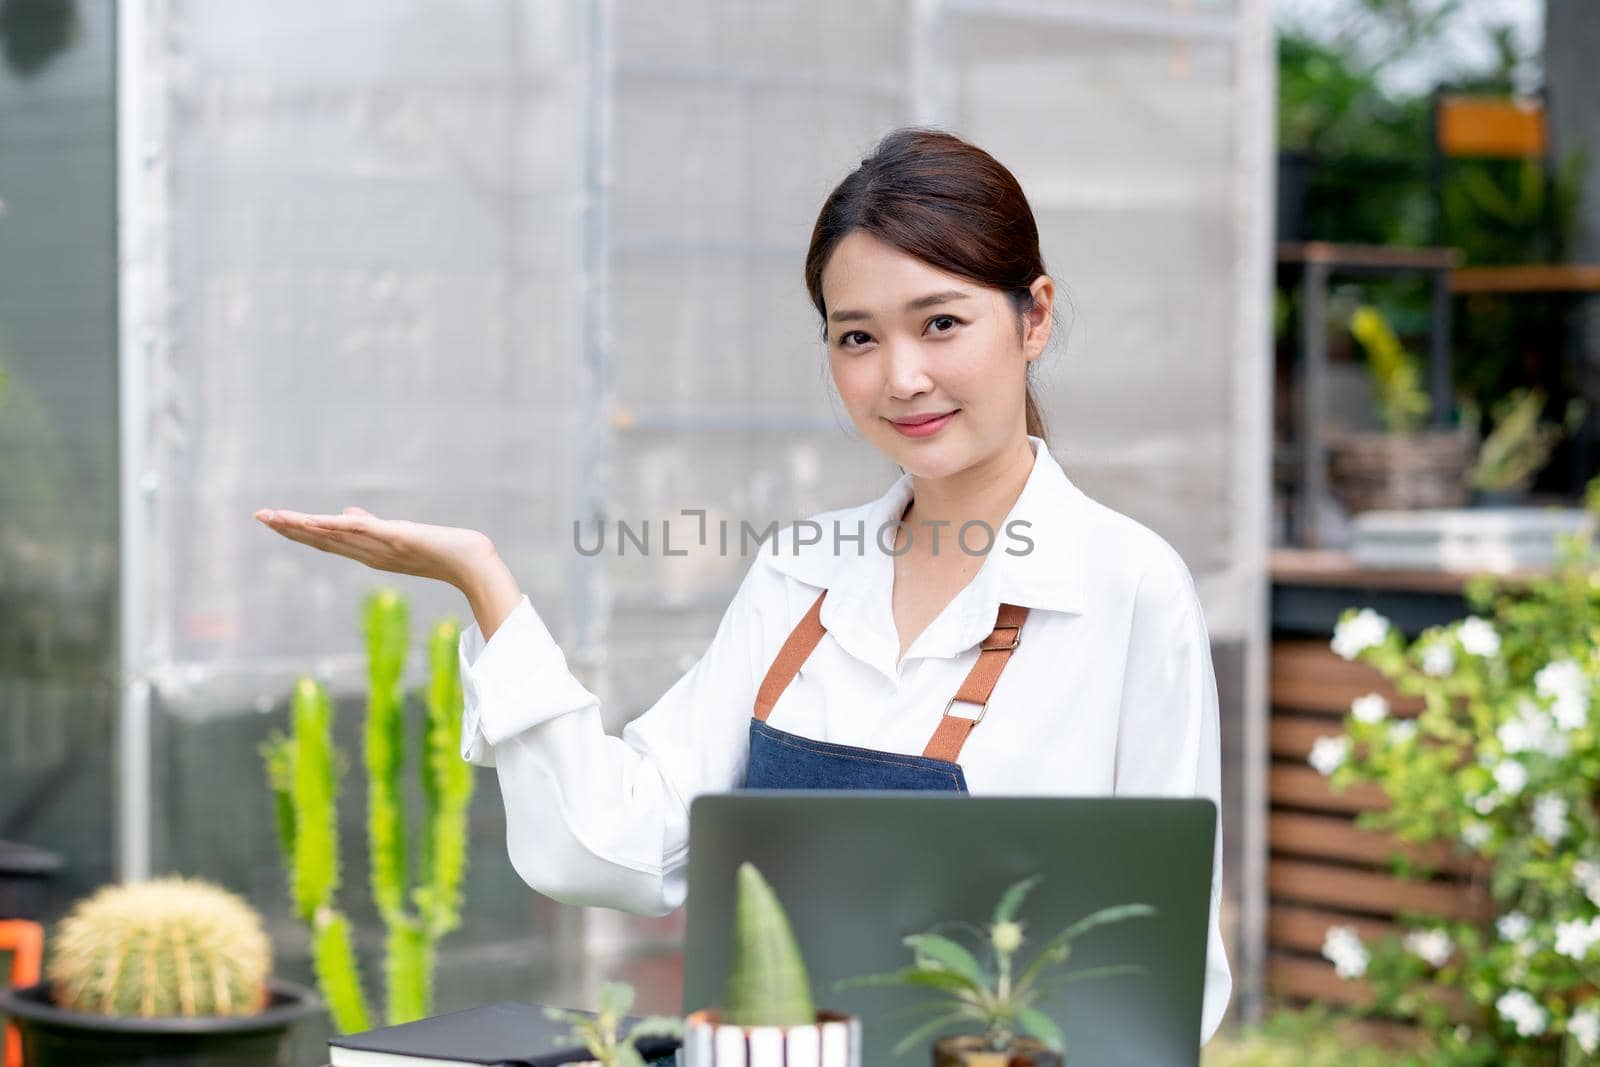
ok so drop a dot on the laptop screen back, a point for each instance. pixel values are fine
(858, 871)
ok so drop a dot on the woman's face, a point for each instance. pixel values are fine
(906, 341)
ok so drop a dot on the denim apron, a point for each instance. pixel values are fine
(780, 760)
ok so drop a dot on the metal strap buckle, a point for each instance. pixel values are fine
(1016, 639)
(984, 707)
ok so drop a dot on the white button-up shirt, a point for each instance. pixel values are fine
(1111, 691)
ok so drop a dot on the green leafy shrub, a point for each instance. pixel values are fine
(1500, 767)
(1313, 1037)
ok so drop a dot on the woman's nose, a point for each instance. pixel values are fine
(905, 369)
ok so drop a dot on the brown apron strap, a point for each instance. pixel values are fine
(952, 732)
(996, 650)
(802, 639)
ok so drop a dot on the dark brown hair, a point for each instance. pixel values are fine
(946, 202)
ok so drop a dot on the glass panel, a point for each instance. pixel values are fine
(58, 438)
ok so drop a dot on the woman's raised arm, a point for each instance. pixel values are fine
(590, 818)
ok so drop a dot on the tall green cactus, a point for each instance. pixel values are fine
(304, 769)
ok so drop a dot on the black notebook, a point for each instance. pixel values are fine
(505, 1034)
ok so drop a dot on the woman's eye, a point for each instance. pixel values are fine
(844, 339)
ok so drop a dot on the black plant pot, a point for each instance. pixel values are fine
(54, 1037)
(23, 873)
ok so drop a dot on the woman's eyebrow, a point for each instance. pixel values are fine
(919, 302)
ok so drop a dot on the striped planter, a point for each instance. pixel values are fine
(834, 1040)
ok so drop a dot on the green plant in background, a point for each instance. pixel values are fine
(1403, 403)
(1500, 767)
(304, 769)
(598, 1032)
(1368, 178)
(767, 980)
(1520, 443)
(161, 948)
(1000, 997)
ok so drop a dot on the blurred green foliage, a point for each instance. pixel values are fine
(1311, 1037)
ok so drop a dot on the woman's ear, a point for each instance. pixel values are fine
(1036, 321)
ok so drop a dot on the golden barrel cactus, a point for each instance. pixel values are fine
(162, 948)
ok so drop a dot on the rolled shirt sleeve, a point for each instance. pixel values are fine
(1169, 737)
(591, 818)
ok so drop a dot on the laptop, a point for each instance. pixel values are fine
(858, 871)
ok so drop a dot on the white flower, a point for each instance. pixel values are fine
(1575, 937)
(1510, 776)
(1550, 817)
(1342, 946)
(1532, 730)
(1434, 946)
(1329, 753)
(1476, 834)
(1587, 874)
(1513, 926)
(1519, 1008)
(1402, 731)
(1362, 630)
(1438, 659)
(1486, 804)
(1370, 708)
(1564, 680)
(1571, 711)
(1584, 1026)
(1477, 637)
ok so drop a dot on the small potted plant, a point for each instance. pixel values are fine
(1518, 446)
(1002, 998)
(767, 1018)
(1405, 465)
(172, 970)
(598, 1032)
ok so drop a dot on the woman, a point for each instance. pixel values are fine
(983, 625)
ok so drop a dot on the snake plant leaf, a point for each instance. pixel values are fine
(1042, 1027)
(1115, 914)
(912, 976)
(948, 954)
(1006, 910)
(1055, 950)
(767, 982)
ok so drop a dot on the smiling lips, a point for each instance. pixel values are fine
(922, 425)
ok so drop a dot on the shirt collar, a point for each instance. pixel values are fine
(1046, 574)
